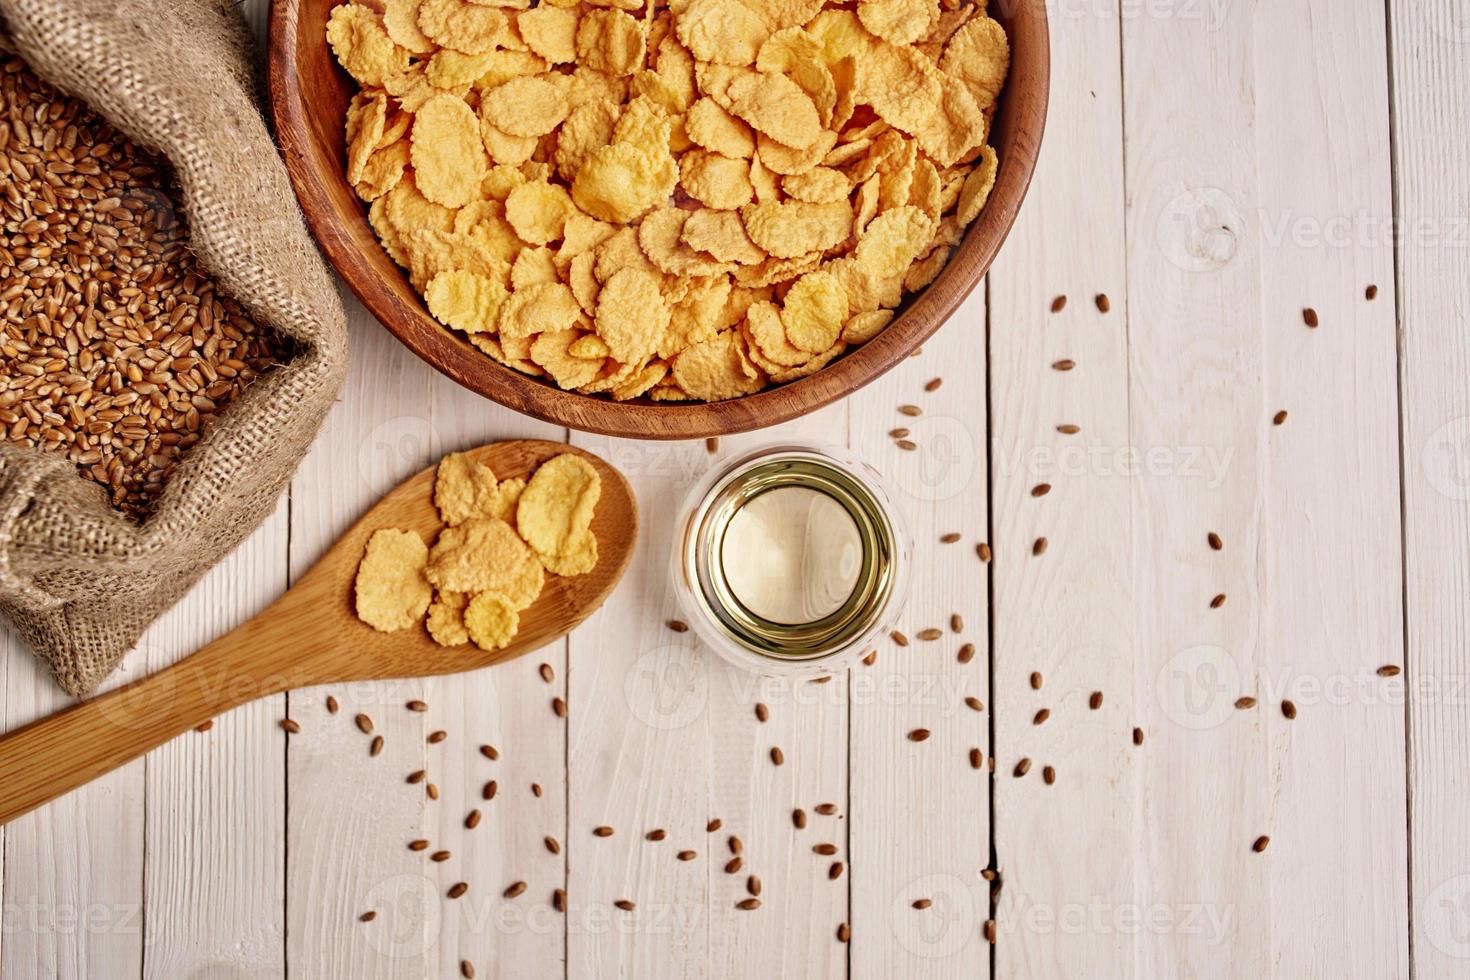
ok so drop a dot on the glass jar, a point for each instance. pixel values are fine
(791, 558)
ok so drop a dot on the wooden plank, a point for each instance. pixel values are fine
(1199, 425)
(794, 932)
(352, 815)
(640, 752)
(668, 706)
(1068, 613)
(508, 706)
(214, 878)
(920, 815)
(1331, 510)
(1431, 100)
(73, 868)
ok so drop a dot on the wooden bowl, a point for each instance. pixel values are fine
(309, 96)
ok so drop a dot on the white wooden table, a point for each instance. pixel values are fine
(1213, 166)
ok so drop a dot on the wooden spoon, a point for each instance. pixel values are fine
(311, 635)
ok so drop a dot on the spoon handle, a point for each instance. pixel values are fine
(55, 755)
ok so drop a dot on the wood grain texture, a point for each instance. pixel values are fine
(309, 96)
(1196, 389)
(1330, 515)
(1068, 613)
(217, 897)
(82, 853)
(920, 815)
(641, 749)
(1431, 101)
(793, 934)
(352, 815)
(311, 636)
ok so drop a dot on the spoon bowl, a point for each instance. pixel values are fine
(309, 636)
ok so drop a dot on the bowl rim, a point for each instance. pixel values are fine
(917, 319)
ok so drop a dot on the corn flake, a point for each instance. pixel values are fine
(448, 160)
(491, 621)
(814, 311)
(793, 228)
(550, 32)
(446, 618)
(465, 301)
(391, 590)
(610, 41)
(556, 507)
(362, 45)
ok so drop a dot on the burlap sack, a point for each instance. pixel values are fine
(79, 581)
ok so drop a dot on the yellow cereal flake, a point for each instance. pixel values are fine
(552, 351)
(400, 20)
(713, 128)
(820, 185)
(721, 31)
(550, 31)
(463, 487)
(588, 126)
(898, 21)
(716, 181)
(466, 27)
(446, 619)
(717, 369)
(863, 327)
(505, 148)
(556, 507)
(391, 590)
(538, 211)
(537, 309)
(581, 554)
(782, 159)
(722, 235)
(610, 41)
(796, 54)
(792, 228)
(620, 182)
(502, 64)
(448, 160)
(977, 187)
(631, 315)
(528, 105)
(366, 116)
(491, 621)
(482, 553)
(979, 55)
(465, 301)
(507, 495)
(383, 171)
(775, 105)
(814, 311)
(927, 269)
(767, 333)
(362, 45)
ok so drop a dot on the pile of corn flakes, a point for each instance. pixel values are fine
(489, 562)
(681, 202)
